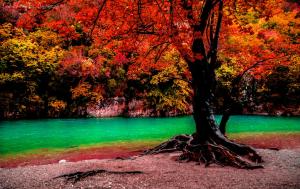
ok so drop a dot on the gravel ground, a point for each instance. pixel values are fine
(282, 170)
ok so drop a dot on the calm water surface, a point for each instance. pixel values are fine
(29, 135)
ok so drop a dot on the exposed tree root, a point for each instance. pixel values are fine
(274, 148)
(124, 158)
(77, 176)
(219, 151)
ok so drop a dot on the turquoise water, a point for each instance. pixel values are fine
(27, 135)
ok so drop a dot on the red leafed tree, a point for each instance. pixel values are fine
(148, 28)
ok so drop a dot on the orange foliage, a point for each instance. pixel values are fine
(140, 32)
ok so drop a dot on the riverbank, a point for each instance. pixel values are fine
(126, 149)
(282, 170)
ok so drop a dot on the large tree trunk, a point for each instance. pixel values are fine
(203, 81)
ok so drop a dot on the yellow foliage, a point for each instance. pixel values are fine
(14, 77)
(85, 92)
(170, 90)
(46, 39)
(82, 90)
(6, 30)
(35, 54)
(58, 105)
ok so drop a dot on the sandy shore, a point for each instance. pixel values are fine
(282, 170)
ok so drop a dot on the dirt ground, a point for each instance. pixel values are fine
(282, 170)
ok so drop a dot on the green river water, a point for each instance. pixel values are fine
(29, 135)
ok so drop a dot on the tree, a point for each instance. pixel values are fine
(149, 28)
(207, 144)
(27, 68)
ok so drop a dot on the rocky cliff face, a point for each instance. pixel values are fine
(108, 108)
(117, 107)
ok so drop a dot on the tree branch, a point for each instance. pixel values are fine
(230, 101)
(198, 46)
(97, 18)
(215, 39)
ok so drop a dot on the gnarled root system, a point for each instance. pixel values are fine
(218, 150)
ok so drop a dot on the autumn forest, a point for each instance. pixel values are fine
(59, 57)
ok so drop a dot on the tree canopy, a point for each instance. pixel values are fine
(139, 48)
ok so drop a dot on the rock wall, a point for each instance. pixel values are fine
(136, 108)
(111, 107)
